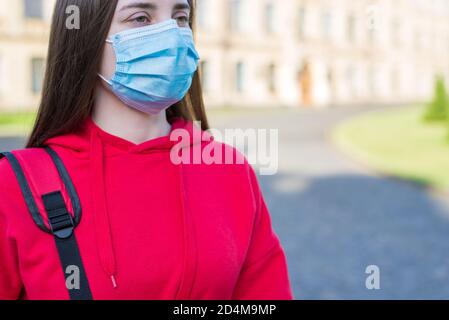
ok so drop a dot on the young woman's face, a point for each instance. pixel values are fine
(139, 13)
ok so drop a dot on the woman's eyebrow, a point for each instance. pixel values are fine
(181, 6)
(152, 6)
(139, 5)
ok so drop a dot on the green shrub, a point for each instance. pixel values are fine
(438, 108)
(447, 121)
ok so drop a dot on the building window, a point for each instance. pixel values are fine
(417, 39)
(372, 20)
(350, 80)
(272, 78)
(239, 77)
(37, 74)
(396, 32)
(201, 9)
(204, 72)
(326, 25)
(236, 15)
(34, 9)
(302, 23)
(372, 82)
(269, 17)
(350, 28)
(394, 81)
(372, 35)
(331, 85)
(2, 73)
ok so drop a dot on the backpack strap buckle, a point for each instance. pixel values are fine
(59, 218)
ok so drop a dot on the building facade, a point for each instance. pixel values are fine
(263, 53)
(322, 52)
(24, 31)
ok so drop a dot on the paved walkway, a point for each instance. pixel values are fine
(335, 218)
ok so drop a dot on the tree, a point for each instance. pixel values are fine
(447, 121)
(438, 108)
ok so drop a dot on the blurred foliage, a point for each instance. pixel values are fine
(447, 122)
(16, 123)
(9, 118)
(438, 108)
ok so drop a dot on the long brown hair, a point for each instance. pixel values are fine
(73, 60)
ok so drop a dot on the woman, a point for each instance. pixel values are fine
(115, 91)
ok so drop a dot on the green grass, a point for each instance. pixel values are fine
(16, 123)
(397, 142)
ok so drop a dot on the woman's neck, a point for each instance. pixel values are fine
(114, 117)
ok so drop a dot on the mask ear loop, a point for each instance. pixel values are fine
(102, 77)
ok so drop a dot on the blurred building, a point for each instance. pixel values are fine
(322, 52)
(24, 26)
(259, 53)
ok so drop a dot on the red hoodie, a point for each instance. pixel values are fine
(161, 230)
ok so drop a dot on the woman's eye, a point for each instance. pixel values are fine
(183, 21)
(140, 20)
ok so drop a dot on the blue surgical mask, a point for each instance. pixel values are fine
(155, 65)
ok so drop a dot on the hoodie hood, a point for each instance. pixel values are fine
(92, 142)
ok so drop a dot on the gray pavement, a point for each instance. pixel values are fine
(335, 217)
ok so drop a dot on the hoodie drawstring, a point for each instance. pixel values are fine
(190, 259)
(103, 232)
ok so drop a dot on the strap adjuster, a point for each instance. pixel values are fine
(59, 218)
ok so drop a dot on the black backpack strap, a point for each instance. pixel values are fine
(61, 224)
(26, 191)
(67, 183)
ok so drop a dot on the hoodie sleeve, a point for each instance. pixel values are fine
(10, 282)
(264, 275)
